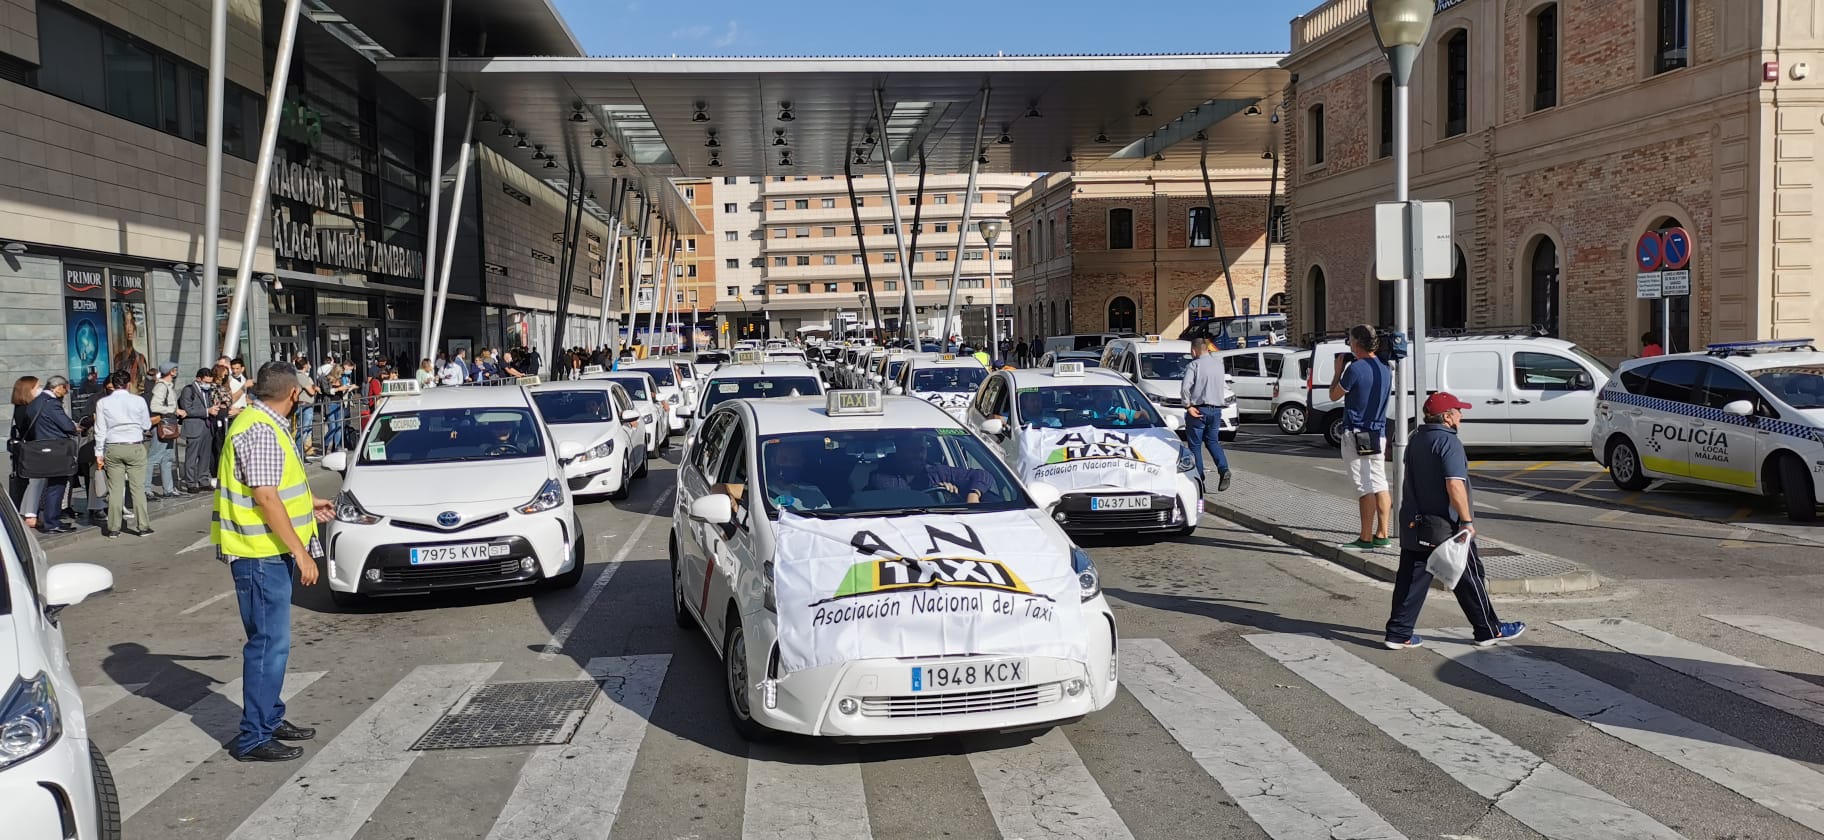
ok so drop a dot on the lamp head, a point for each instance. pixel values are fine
(991, 230)
(1400, 27)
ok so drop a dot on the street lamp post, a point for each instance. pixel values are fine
(1400, 27)
(991, 231)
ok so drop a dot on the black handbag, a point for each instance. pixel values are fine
(1431, 531)
(55, 458)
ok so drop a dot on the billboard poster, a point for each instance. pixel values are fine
(86, 340)
(129, 335)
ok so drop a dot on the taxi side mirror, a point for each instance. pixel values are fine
(630, 416)
(1044, 495)
(895, 390)
(1739, 408)
(994, 427)
(335, 462)
(715, 509)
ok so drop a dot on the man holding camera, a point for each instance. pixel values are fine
(1364, 384)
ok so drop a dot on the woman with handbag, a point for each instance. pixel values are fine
(49, 452)
(23, 491)
(165, 429)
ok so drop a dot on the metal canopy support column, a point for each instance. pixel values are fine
(1222, 251)
(671, 268)
(910, 305)
(962, 233)
(661, 245)
(612, 252)
(1402, 370)
(566, 273)
(899, 232)
(449, 243)
(430, 240)
(1266, 269)
(212, 177)
(262, 178)
(861, 240)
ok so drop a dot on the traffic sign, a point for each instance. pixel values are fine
(1649, 252)
(1647, 285)
(1677, 247)
(1675, 283)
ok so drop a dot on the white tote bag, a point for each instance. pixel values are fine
(1449, 559)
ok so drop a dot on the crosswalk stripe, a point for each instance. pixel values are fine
(1738, 676)
(791, 800)
(599, 758)
(1527, 787)
(1778, 629)
(149, 765)
(1782, 786)
(1042, 789)
(1286, 793)
(98, 697)
(333, 794)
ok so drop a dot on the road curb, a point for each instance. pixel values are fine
(1384, 564)
(160, 509)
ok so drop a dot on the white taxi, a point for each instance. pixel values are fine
(671, 389)
(867, 569)
(1088, 432)
(645, 395)
(750, 376)
(944, 380)
(599, 417)
(1156, 366)
(1742, 416)
(452, 488)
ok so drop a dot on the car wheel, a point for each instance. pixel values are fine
(679, 612)
(1796, 489)
(347, 600)
(571, 578)
(1291, 418)
(1333, 431)
(1624, 466)
(736, 679)
(626, 487)
(107, 798)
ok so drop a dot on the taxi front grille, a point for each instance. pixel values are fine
(1120, 518)
(467, 572)
(963, 703)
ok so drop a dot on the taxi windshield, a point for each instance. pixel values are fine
(562, 407)
(1164, 365)
(884, 472)
(660, 375)
(950, 379)
(723, 390)
(636, 386)
(1801, 387)
(445, 435)
(1101, 406)
(893, 369)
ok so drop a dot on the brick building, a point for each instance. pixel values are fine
(1134, 251)
(1562, 131)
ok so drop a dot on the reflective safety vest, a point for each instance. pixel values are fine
(239, 528)
(981, 357)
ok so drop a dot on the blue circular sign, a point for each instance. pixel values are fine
(449, 519)
(1677, 248)
(1649, 252)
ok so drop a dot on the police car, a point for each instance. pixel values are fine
(1742, 416)
(599, 416)
(672, 395)
(944, 380)
(867, 569)
(1088, 432)
(452, 488)
(750, 376)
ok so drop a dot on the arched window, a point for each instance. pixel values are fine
(1201, 308)
(1276, 305)
(1121, 315)
(1318, 295)
(1543, 284)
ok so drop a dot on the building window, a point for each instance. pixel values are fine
(886, 229)
(829, 204)
(1121, 315)
(1315, 292)
(829, 288)
(778, 204)
(1200, 227)
(918, 256)
(891, 285)
(1277, 231)
(1544, 284)
(974, 255)
(690, 270)
(918, 285)
(757, 262)
(1672, 44)
(889, 257)
(755, 179)
(804, 259)
(731, 263)
(1004, 254)
(1545, 57)
(780, 262)
(1120, 229)
(855, 259)
(732, 291)
(972, 283)
(690, 193)
(731, 236)
(782, 289)
(1315, 123)
(829, 231)
(859, 201)
(941, 227)
(780, 233)
(801, 233)
(858, 286)
(1456, 83)
(941, 198)
(942, 256)
(1276, 304)
(1446, 301)
(690, 244)
(1385, 301)
(804, 288)
(829, 259)
(801, 204)
(1383, 97)
(731, 207)
(1200, 308)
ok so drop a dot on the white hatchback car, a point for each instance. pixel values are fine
(639, 386)
(867, 569)
(599, 416)
(753, 379)
(946, 381)
(54, 783)
(454, 488)
(671, 390)
(1156, 366)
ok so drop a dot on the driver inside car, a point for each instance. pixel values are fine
(908, 469)
(788, 480)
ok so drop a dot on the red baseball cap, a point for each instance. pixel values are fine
(1441, 402)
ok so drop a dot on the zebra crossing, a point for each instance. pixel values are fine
(1046, 785)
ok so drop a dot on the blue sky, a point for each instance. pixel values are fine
(826, 27)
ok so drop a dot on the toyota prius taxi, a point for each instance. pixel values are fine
(945, 381)
(452, 488)
(867, 569)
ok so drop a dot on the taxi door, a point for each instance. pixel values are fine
(727, 547)
(994, 401)
(697, 477)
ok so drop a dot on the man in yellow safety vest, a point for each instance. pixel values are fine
(265, 522)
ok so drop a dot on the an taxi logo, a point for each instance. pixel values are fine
(908, 574)
(1077, 446)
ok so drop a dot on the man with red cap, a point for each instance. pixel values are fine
(1435, 506)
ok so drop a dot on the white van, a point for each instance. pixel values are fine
(1157, 366)
(1525, 390)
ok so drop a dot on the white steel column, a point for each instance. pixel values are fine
(962, 233)
(1402, 299)
(262, 178)
(614, 252)
(212, 173)
(671, 267)
(661, 243)
(899, 231)
(449, 242)
(430, 239)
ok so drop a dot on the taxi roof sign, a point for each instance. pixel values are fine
(748, 357)
(1154, 338)
(592, 369)
(947, 357)
(853, 403)
(1067, 369)
(399, 387)
(527, 381)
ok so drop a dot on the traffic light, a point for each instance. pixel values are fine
(725, 328)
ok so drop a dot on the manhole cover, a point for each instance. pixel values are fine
(510, 715)
(1496, 552)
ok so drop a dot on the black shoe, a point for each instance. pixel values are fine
(112, 535)
(269, 751)
(65, 528)
(289, 731)
(1223, 482)
(143, 532)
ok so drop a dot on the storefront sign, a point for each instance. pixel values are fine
(517, 195)
(1446, 4)
(82, 280)
(342, 247)
(300, 183)
(128, 284)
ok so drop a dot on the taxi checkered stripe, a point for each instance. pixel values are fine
(1704, 412)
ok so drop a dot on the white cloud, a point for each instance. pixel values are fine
(691, 33)
(728, 35)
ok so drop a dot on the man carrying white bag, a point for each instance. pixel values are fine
(1437, 534)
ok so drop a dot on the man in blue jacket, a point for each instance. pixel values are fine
(48, 421)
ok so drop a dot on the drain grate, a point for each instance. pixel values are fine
(1489, 551)
(511, 715)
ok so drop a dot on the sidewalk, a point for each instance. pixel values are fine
(1320, 523)
(161, 508)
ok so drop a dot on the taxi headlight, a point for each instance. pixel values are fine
(1089, 583)
(599, 452)
(548, 497)
(1186, 463)
(29, 719)
(349, 510)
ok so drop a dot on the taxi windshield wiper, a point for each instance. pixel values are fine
(897, 511)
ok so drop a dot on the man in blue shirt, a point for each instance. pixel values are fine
(1364, 383)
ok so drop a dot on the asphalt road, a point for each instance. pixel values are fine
(1256, 703)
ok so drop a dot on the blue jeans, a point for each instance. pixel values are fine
(306, 416)
(163, 453)
(263, 588)
(50, 503)
(332, 439)
(1204, 431)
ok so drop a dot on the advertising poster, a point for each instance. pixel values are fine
(129, 335)
(86, 340)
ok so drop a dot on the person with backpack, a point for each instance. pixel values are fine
(161, 401)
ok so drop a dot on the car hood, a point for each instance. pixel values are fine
(589, 435)
(406, 489)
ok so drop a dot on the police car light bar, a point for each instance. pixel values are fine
(527, 381)
(592, 369)
(1748, 347)
(853, 403)
(1064, 369)
(399, 387)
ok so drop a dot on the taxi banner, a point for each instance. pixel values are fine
(948, 399)
(869, 588)
(1082, 457)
